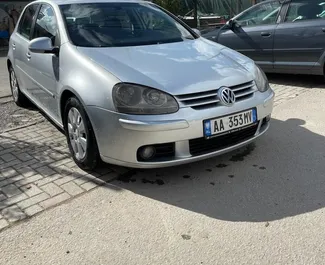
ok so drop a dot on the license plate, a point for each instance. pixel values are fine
(230, 123)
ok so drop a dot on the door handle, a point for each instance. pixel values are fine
(265, 34)
(28, 55)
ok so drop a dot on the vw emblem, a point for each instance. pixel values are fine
(226, 96)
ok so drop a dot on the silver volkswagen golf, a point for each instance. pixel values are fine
(132, 85)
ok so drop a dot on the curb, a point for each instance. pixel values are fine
(5, 99)
(21, 127)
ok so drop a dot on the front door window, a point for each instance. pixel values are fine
(46, 25)
(262, 14)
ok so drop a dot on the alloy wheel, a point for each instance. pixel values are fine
(14, 85)
(77, 134)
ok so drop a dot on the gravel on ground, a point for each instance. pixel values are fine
(13, 116)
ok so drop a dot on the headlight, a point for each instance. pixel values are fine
(136, 99)
(261, 80)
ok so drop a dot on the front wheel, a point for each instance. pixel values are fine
(19, 98)
(80, 135)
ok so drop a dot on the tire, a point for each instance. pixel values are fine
(80, 135)
(19, 98)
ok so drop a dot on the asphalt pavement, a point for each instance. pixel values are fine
(263, 204)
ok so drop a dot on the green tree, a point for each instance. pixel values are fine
(173, 6)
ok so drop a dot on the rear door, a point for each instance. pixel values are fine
(19, 42)
(254, 34)
(300, 39)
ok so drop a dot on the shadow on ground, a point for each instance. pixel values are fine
(13, 116)
(279, 176)
(304, 81)
(37, 161)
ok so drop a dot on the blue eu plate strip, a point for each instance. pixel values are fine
(207, 128)
(254, 114)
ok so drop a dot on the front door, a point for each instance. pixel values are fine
(45, 67)
(19, 42)
(253, 33)
(300, 40)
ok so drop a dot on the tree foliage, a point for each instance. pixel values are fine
(220, 7)
(174, 6)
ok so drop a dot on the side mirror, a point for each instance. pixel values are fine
(42, 45)
(230, 24)
(197, 31)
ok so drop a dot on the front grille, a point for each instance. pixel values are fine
(209, 99)
(202, 146)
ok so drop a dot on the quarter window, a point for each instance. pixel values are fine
(301, 10)
(262, 14)
(46, 25)
(26, 21)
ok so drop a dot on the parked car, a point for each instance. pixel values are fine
(280, 36)
(133, 85)
(205, 21)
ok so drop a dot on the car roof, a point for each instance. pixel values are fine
(61, 2)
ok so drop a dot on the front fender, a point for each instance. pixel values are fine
(319, 67)
(84, 78)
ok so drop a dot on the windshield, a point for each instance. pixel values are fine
(121, 24)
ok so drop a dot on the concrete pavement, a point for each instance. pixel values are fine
(261, 205)
(4, 79)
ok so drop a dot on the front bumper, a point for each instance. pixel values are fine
(119, 136)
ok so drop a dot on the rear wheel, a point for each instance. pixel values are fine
(19, 98)
(80, 135)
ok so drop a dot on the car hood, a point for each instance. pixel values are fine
(176, 68)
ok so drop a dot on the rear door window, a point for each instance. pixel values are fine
(302, 10)
(26, 22)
